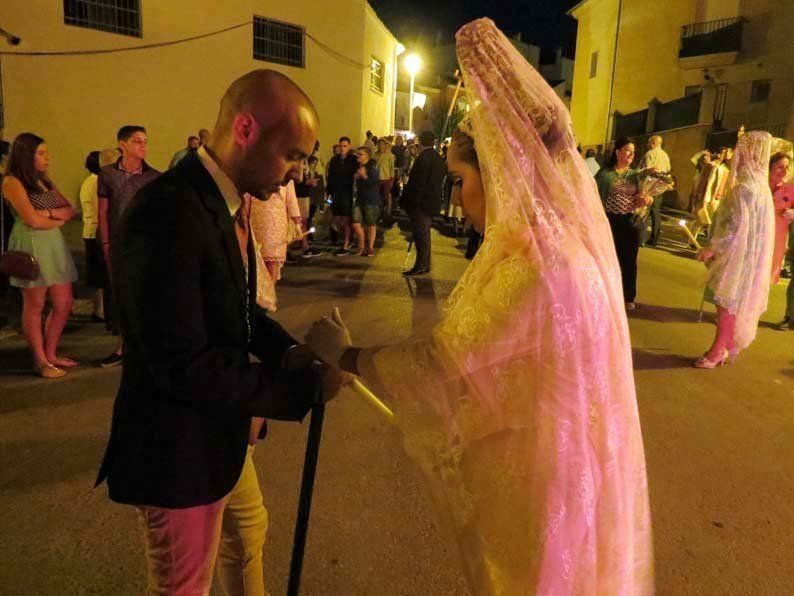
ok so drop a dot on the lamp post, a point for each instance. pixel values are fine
(413, 64)
(399, 50)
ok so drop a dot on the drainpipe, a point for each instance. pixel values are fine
(614, 68)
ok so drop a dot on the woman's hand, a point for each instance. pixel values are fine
(705, 255)
(63, 213)
(642, 201)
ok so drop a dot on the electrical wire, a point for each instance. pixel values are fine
(148, 46)
(325, 47)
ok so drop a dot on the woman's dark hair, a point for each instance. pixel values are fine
(22, 163)
(464, 148)
(92, 162)
(777, 157)
(619, 144)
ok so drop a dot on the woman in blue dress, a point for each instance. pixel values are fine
(39, 213)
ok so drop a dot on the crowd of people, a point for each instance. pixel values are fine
(525, 379)
(355, 192)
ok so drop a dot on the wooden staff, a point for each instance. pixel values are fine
(307, 490)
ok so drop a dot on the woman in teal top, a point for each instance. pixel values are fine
(39, 213)
(618, 185)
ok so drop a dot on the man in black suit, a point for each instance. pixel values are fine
(422, 199)
(191, 403)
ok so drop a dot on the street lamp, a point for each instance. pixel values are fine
(399, 50)
(413, 64)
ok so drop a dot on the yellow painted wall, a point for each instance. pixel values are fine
(647, 63)
(590, 101)
(78, 103)
(377, 110)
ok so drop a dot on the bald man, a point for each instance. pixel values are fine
(655, 157)
(191, 403)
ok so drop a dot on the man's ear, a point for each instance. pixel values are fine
(243, 128)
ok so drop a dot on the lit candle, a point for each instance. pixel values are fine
(364, 392)
(689, 233)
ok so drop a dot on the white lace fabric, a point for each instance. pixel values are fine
(744, 237)
(520, 407)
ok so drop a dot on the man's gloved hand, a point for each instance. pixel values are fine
(329, 338)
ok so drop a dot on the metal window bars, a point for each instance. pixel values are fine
(376, 79)
(114, 16)
(278, 42)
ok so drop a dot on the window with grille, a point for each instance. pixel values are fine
(279, 42)
(594, 65)
(114, 16)
(760, 91)
(376, 78)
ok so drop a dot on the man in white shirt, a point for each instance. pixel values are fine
(656, 158)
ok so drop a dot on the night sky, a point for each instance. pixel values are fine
(541, 22)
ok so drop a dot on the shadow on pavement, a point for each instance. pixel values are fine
(649, 360)
(68, 458)
(666, 314)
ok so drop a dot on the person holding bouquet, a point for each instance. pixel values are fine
(618, 186)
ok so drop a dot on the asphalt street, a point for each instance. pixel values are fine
(719, 446)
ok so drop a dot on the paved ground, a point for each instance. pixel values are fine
(719, 445)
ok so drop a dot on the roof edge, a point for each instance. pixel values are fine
(576, 7)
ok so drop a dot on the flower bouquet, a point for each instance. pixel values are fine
(652, 183)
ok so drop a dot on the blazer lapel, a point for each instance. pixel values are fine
(213, 200)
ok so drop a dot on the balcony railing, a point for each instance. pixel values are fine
(678, 113)
(707, 27)
(711, 37)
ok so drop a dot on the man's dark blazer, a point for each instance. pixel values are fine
(182, 415)
(425, 183)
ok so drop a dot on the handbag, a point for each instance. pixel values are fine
(15, 263)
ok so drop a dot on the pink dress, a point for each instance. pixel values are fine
(784, 199)
(273, 231)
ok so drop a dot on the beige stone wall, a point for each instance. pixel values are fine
(648, 66)
(78, 103)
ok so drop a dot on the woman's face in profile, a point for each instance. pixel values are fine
(42, 158)
(779, 171)
(467, 189)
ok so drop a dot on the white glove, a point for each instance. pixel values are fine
(329, 338)
(788, 214)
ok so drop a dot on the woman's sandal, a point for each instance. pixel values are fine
(49, 371)
(704, 362)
